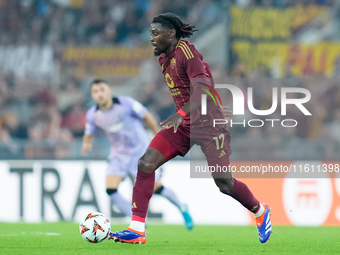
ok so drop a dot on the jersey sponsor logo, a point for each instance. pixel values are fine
(186, 50)
(114, 128)
(175, 92)
(169, 80)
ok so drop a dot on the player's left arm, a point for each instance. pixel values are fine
(151, 122)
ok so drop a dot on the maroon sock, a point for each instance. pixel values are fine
(242, 194)
(142, 192)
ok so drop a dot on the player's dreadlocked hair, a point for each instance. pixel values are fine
(172, 21)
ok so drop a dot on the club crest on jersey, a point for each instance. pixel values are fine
(169, 81)
(173, 63)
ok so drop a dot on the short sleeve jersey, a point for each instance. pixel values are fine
(122, 124)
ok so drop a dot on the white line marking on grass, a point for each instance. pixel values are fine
(34, 233)
(52, 234)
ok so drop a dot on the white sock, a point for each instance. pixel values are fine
(259, 213)
(137, 225)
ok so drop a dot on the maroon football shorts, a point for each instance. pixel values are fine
(214, 142)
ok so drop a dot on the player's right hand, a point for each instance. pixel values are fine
(85, 148)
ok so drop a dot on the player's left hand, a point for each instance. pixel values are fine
(173, 121)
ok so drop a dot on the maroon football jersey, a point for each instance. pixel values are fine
(185, 64)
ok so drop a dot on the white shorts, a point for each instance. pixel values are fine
(126, 165)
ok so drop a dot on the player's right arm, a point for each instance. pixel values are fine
(151, 122)
(87, 144)
(90, 129)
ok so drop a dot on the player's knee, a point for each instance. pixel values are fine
(226, 187)
(146, 166)
(159, 190)
(111, 191)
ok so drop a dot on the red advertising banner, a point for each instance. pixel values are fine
(297, 200)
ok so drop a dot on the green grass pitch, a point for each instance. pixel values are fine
(64, 238)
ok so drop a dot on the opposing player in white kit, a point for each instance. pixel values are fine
(122, 120)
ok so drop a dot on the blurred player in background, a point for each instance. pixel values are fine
(122, 120)
(188, 77)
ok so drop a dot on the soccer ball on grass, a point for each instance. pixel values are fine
(95, 228)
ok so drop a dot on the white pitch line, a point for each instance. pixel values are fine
(33, 233)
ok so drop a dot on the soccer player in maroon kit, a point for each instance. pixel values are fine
(188, 77)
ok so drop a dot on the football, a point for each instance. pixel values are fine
(95, 228)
